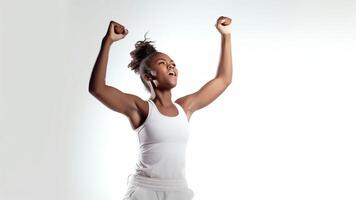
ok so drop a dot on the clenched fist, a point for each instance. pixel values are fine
(115, 32)
(223, 24)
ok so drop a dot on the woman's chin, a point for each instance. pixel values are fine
(173, 85)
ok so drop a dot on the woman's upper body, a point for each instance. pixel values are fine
(159, 75)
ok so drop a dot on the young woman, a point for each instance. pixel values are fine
(160, 123)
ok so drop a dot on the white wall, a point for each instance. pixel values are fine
(284, 129)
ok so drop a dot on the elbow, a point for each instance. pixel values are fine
(91, 87)
(225, 79)
(93, 90)
(228, 82)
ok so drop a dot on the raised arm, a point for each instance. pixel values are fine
(216, 86)
(111, 97)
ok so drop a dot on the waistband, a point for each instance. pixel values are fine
(157, 183)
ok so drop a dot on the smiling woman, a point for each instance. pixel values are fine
(160, 123)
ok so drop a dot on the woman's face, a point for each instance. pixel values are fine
(164, 71)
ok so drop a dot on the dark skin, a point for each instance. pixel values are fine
(160, 79)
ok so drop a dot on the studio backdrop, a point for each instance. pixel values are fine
(283, 129)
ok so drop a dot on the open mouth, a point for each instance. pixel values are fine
(172, 73)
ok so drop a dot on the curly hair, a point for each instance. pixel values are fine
(142, 53)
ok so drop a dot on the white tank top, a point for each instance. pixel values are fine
(162, 144)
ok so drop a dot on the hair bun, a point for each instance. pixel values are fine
(142, 50)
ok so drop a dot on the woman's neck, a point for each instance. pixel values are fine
(163, 97)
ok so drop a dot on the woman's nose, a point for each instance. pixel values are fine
(170, 66)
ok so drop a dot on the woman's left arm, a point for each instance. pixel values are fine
(216, 86)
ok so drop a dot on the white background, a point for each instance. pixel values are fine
(284, 129)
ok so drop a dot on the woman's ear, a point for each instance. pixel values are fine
(146, 77)
(149, 77)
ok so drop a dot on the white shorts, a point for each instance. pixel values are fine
(146, 188)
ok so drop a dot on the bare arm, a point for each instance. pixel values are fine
(216, 86)
(112, 97)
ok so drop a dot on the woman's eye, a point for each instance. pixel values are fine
(161, 62)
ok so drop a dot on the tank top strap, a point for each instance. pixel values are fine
(182, 112)
(151, 105)
(179, 107)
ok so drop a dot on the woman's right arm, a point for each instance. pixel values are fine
(112, 97)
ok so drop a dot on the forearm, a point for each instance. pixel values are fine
(225, 65)
(98, 75)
